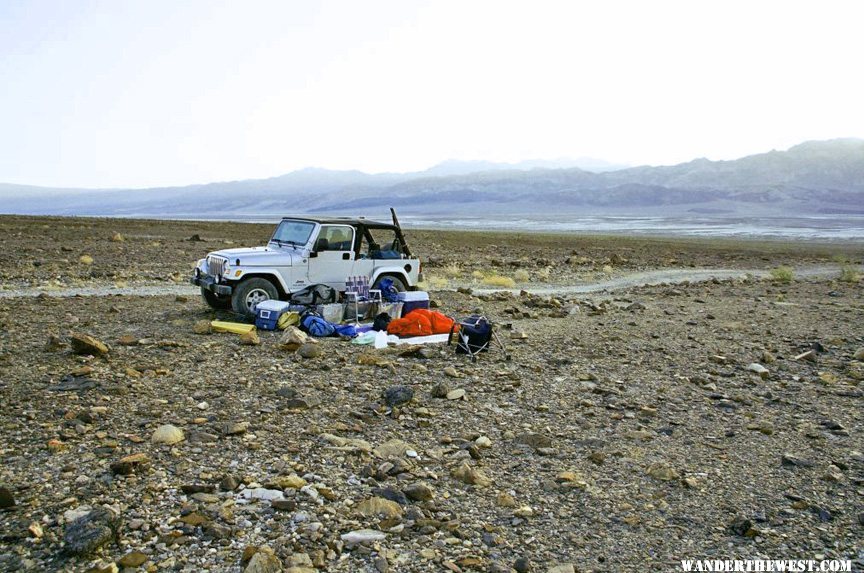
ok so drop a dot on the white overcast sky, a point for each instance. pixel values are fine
(162, 92)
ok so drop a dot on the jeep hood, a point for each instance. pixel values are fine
(261, 256)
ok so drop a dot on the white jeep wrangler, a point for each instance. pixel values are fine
(305, 251)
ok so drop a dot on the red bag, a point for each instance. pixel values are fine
(420, 322)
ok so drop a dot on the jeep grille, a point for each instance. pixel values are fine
(216, 266)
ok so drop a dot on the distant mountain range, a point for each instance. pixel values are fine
(813, 178)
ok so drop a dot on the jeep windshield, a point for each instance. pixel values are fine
(293, 233)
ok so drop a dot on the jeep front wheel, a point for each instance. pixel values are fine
(397, 283)
(214, 300)
(249, 293)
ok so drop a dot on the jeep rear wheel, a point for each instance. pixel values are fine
(249, 293)
(214, 300)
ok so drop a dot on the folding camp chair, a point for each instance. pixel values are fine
(475, 334)
(357, 290)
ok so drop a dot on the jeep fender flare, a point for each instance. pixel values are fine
(396, 271)
(270, 274)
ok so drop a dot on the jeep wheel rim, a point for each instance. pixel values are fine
(255, 297)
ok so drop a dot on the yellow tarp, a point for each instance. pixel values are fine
(233, 327)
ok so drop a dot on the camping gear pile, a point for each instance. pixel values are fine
(389, 317)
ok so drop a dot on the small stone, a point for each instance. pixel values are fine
(562, 568)
(809, 356)
(522, 565)
(759, 369)
(262, 493)
(284, 504)
(504, 499)
(85, 260)
(379, 507)
(859, 354)
(194, 519)
(193, 488)
(483, 442)
(663, 472)
(236, 428)
(363, 536)
(6, 498)
(457, 394)
(470, 476)
(290, 482)
(167, 434)
(134, 559)
(202, 327)
(35, 530)
(524, 511)
(535, 441)
(129, 340)
(309, 350)
(452, 372)
(441, 390)
(129, 464)
(86, 344)
(229, 483)
(399, 394)
(392, 449)
(789, 461)
(418, 492)
(250, 338)
(54, 343)
(743, 527)
(117, 238)
(302, 402)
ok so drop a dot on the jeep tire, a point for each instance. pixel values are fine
(398, 283)
(219, 302)
(249, 293)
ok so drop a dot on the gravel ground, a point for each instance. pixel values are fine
(619, 431)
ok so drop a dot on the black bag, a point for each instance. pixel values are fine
(314, 294)
(381, 321)
(475, 334)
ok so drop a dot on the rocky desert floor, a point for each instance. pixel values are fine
(624, 429)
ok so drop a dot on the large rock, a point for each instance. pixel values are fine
(167, 434)
(90, 532)
(250, 338)
(293, 338)
(86, 344)
(264, 561)
(6, 498)
(379, 507)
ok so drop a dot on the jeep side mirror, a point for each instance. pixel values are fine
(313, 254)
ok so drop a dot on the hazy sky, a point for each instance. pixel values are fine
(143, 93)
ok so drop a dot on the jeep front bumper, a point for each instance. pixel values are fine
(207, 282)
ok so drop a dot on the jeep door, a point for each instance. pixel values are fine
(333, 256)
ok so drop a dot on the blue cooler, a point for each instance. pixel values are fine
(412, 300)
(267, 313)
